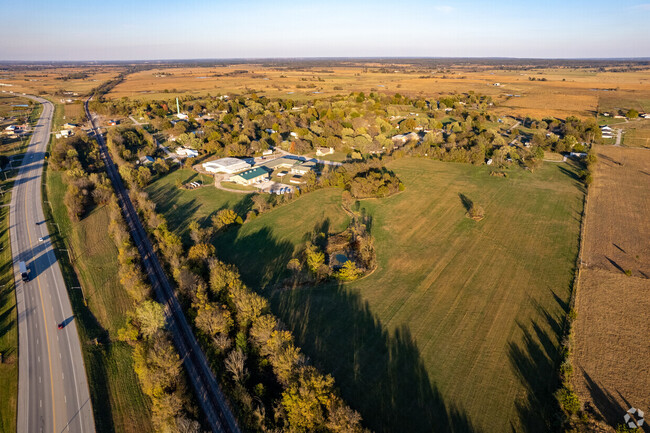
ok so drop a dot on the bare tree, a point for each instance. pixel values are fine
(235, 364)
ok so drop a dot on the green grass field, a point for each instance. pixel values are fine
(180, 205)
(8, 330)
(118, 402)
(457, 329)
(637, 134)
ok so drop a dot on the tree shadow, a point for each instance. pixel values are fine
(466, 201)
(604, 402)
(616, 265)
(380, 373)
(535, 361)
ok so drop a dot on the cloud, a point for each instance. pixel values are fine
(642, 6)
(444, 8)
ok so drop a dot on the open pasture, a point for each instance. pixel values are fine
(611, 368)
(457, 328)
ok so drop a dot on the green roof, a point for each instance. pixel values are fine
(252, 174)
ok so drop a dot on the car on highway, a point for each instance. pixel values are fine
(41, 239)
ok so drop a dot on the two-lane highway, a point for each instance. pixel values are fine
(53, 391)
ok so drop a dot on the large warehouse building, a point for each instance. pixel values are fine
(226, 165)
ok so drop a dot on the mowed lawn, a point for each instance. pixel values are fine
(457, 329)
(118, 402)
(180, 206)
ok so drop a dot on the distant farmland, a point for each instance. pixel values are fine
(564, 91)
(458, 327)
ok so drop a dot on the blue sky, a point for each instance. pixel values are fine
(144, 30)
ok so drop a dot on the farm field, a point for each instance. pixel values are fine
(119, 404)
(637, 134)
(50, 80)
(457, 329)
(566, 91)
(612, 307)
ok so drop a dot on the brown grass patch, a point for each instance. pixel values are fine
(612, 357)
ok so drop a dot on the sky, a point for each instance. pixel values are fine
(161, 30)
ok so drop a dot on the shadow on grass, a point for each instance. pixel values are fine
(535, 362)
(380, 373)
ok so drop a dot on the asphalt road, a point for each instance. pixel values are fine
(52, 386)
(218, 414)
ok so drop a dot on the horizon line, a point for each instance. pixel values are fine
(338, 58)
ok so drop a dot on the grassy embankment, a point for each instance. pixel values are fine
(8, 325)
(458, 327)
(118, 402)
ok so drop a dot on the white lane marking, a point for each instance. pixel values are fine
(38, 358)
(39, 379)
(65, 399)
(62, 376)
(37, 341)
(40, 403)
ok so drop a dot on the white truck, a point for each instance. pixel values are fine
(23, 271)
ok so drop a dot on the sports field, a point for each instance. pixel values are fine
(457, 329)
(611, 371)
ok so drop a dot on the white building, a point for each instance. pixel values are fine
(226, 165)
(184, 151)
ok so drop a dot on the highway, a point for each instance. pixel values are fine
(53, 391)
(208, 393)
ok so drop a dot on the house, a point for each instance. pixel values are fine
(645, 115)
(249, 177)
(66, 133)
(606, 128)
(267, 152)
(112, 123)
(321, 151)
(303, 168)
(184, 151)
(296, 179)
(270, 131)
(293, 134)
(146, 160)
(69, 126)
(618, 116)
(405, 138)
(226, 165)
(489, 161)
(577, 155)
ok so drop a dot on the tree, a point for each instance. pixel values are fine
(306, 399)
(632, 114)
(348, 271)
(150, 317)
(235, 364)
(315, 258)
(224, 218)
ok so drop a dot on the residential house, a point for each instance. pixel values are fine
(188, 153)
(146, 160)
